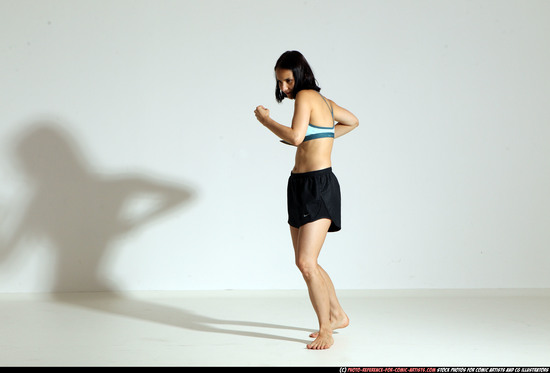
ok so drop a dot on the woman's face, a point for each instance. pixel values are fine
(285, 80)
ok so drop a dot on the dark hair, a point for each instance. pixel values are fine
(303, 75)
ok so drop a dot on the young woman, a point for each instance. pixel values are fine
(313, 191)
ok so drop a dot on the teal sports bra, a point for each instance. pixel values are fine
(316, 132)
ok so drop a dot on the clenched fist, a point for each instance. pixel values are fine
(262, 114)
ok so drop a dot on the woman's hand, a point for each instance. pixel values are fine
(262, 114)
(283, 132)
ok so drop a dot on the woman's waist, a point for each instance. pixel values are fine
(327, 170)
(312, 157)
(311, 166)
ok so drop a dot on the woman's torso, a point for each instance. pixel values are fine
(315, 154)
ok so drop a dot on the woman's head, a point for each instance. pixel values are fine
(293, 74)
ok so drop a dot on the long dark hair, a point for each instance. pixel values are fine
(303, 75)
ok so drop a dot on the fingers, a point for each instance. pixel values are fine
(261, 112)
(260, 108)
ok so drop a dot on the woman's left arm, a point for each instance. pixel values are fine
(295, 134)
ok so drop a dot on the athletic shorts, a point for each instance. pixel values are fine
(312, 196)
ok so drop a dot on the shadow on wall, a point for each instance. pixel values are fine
(81, 214)
(78, 212)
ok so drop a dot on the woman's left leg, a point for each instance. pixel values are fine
(338, 318)
(308, 241)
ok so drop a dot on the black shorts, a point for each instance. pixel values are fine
(312, 196)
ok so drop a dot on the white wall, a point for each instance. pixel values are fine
(112, 110)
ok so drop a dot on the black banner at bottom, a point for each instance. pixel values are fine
(445, 370)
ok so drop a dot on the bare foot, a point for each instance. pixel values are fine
(335, 323)
(322, 342)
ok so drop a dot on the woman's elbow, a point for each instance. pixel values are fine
(297, 140)
(352, 125)
(355, 122)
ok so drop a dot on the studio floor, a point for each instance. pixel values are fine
(270, 328)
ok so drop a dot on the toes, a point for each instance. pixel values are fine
(318, 345)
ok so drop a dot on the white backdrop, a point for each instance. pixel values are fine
(131, 159)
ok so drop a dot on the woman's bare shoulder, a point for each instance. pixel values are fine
(307, 94)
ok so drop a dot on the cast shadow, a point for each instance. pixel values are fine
(113, 303)
(80, 215)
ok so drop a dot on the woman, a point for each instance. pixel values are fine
(313, 191)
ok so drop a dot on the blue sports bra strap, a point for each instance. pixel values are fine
(329, 106)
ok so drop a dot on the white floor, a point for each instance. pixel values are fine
(270, 328)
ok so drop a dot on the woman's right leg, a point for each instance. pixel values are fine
(338, 318)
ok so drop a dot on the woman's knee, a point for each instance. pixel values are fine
(307, 267)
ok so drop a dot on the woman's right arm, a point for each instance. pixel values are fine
(345, 120)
